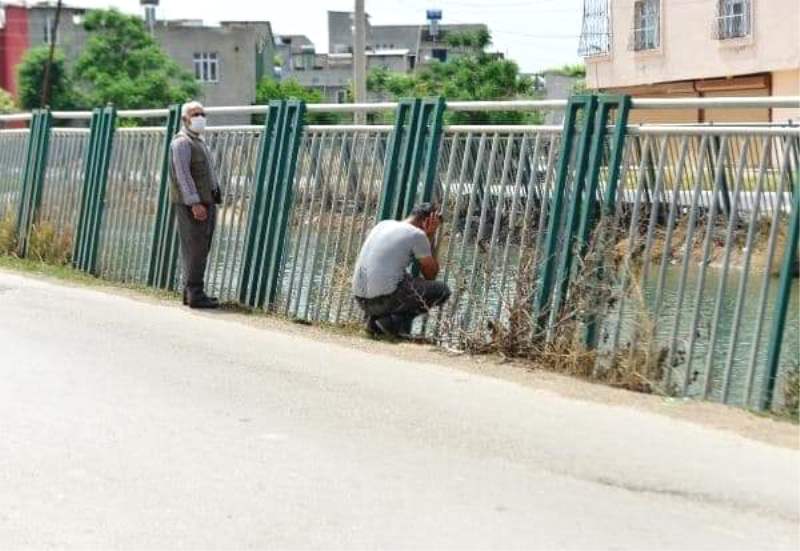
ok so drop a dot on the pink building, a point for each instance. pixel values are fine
(697, 48)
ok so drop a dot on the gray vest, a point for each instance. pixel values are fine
(201, 170)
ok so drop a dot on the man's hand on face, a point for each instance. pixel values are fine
(431, 224)
(200, 212)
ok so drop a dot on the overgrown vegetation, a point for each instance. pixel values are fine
(6, 103)
(269, 90)
(31, 80)
(471, 73)
(121, 64)
(8, 234)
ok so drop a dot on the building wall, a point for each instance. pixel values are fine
(235, 49)
(13, 43)
(688, 49)
(70, 37)
(786, 83)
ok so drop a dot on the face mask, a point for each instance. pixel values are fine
(197, 124)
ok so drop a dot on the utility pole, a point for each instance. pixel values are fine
(49, 64)
(360, 59)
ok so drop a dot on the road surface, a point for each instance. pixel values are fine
(130, 424)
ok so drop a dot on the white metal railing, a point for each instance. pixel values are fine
(765, 102)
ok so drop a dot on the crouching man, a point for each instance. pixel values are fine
(387, 293)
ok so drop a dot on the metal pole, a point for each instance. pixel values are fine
(360, 59)
(51, 55)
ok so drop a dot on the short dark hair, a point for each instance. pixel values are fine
(423, 211)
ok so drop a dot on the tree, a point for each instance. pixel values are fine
(6, 103)
(472, 74)
(30, 74)
(269, 89)
(123, 65)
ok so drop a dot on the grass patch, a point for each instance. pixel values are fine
(69, 274)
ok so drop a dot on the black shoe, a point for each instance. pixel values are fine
(372, 328)
(204, 302)
(202, 297)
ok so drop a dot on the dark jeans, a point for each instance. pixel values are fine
(195, 237)
(414, 296)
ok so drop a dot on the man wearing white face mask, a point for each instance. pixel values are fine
(195, 193)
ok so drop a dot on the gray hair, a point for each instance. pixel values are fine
(189, 106)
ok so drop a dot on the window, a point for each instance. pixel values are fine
(733, 19)
(646, 24)
(596, 29)
(49, 29)
(440, 54)
(206, 67)
(341, 96)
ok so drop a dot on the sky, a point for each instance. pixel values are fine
(537, 34)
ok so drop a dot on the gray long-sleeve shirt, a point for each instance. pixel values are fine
(181, 161)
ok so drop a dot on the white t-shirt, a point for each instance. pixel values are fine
(385, 256)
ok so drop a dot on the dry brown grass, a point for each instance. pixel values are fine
(638, 366)
(47, 245)
(8, 234)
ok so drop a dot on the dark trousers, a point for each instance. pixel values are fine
(414, 296)
(195, 237)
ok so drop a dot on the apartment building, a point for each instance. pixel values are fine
(398, 48)
(697, 48)
(227, 59)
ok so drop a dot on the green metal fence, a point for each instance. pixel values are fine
(672, 248)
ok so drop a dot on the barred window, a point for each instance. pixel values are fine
(734, 19)
(596, 29)
(646, 25)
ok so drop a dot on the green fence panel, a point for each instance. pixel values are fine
(790, 258)
(257, 218)
(78, 243)
(544, 295)
(92, 201)
(585, 142)
(279, 218)
(164, 250)
(33, 176)
(269, 213)
(413, 156)
(621, 105)
(394, 154)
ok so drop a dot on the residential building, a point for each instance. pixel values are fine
(227, 59)
(702, 48)
(398, 48)
(425, 42)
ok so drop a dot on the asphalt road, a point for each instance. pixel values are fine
(133, 425)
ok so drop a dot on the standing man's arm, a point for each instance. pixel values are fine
(181, 162)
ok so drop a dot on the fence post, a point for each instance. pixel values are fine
(164, 251)
(579, 185)
(257, 217)
(390, 180)
(790, 257)
(90, 215)
(33, 176)
(431, 141)
(413, 156)
(622, 105)
(545, 291)
(281, 206)
(269, 214)
(406, 160)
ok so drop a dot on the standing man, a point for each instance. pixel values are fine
(195, 194)
(389, 296)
